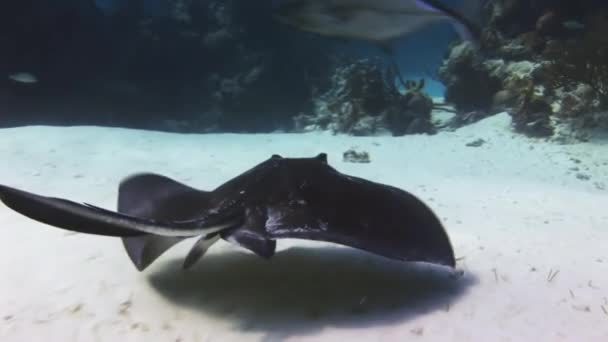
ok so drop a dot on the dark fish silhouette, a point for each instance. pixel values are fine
(377, 21)
(303, 198)
(380, 22)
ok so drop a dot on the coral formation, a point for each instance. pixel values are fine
(578, 72)
(545, 62)
(224, 64)
(469, 82)
(413, 115)
(363, 100)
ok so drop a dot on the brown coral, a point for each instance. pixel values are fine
(583, 61)
(533, 116)
(363, 100)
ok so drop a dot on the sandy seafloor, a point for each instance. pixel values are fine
(516, 209)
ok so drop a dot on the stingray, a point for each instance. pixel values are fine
(379, 22)
(297, 198)
(376, 21)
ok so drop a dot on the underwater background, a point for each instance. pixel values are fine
(504, 137)
(161, 64)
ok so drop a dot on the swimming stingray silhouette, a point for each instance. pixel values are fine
(302, 198)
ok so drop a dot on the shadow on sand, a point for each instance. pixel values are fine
(300, 291)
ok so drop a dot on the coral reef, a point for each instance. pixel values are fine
(262, 86)
(223, 64)
(363, 100)
(544, 61)
(226, 65)
(469, 82)
(578, 72)
(191, 66)
(532, 116)
(413, 114)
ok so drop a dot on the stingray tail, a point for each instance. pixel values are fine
(89, 219)
(64, 214)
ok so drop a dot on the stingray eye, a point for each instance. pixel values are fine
(276, 156)
(322, 157)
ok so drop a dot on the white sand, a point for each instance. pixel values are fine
(513, 208)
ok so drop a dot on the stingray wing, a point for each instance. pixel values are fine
(358, 213)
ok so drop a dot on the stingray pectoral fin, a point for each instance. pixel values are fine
(374, 217)
(143, 250)
(64, 214)
(199, 249)
(157, 197)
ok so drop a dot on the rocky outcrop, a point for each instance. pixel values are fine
(363, 100)
(543, 61)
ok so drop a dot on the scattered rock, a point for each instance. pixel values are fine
(125, 307)
(583, 308)
(353, 156)
(417, 331)
(76, 308)
(583, 176)
(476, 143)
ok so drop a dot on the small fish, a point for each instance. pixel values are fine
(23, 77)
(377, 21)
(573, 25)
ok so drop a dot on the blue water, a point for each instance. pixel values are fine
(418, 55)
